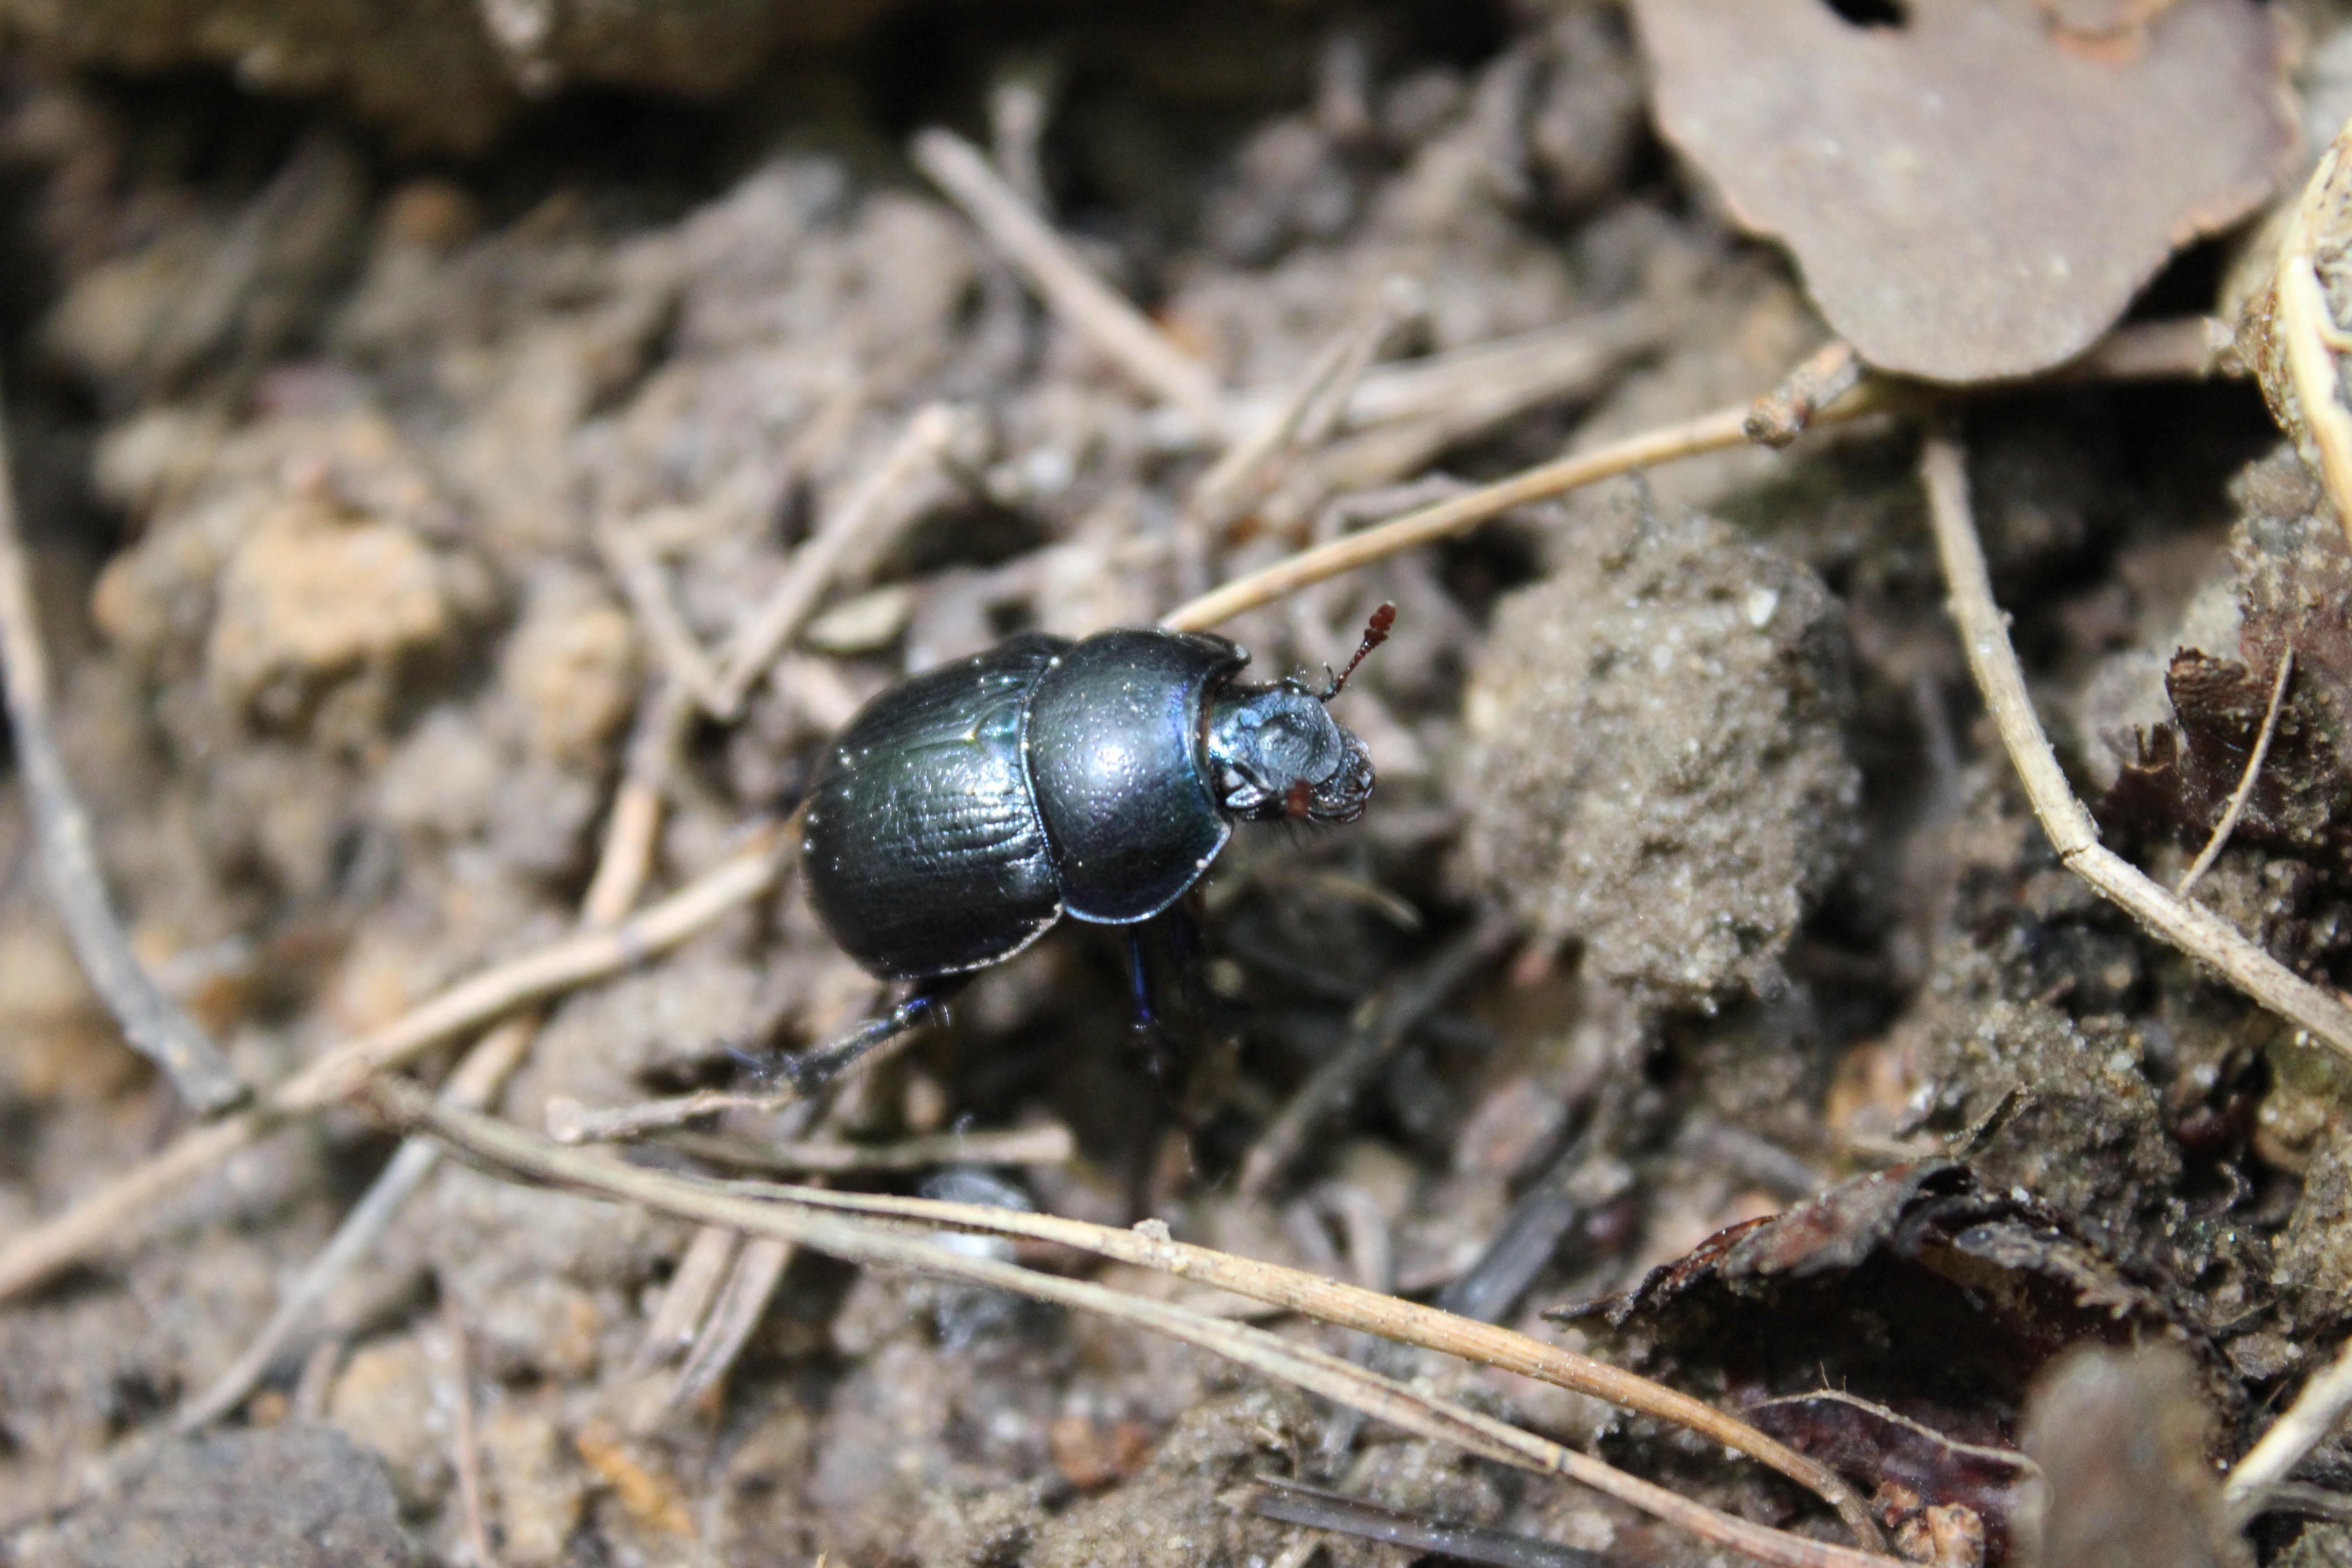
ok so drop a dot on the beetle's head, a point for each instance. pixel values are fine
(1276, 752)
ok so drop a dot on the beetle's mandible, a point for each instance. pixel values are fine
(963, 813)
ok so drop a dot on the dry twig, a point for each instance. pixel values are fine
(157, 1027)
(709, 1258)
(1311, 410)
(751, 1281)
(1070, 289)
(638, 574)
(2189, 347)
(487, 1065)
(1511, 372)
(1374, 1037)
(469, 1464)
(56, 1244)
(799, 1222)
(1707, 432)
(1320, 1509)
(1353, 1307)
(569, 1121)
(1051, 1144)
(2236, 807)
(621, 871)
(1984, 633)
(2311, 1417)
(2144, 349)
(1782, 415)
(928, 436)
(2303, 318)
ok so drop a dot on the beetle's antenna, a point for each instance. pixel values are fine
(1376, 632)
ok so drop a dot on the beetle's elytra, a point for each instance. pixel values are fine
(963, 813)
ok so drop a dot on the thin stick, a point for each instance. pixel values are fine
(621, 871)
(2302, 316)
(353, 1239)
(1052, 1144)
(1374, 1037)
(1293, 1503)
(1324, 391)
(638, 575)
(504, 1146)
(477, 1079)
(742, 1301)
(2245, 790)
(1073, 290)
(688, 1295)
(157, 1027)
(1782, 415)
(1984, 633)
(38, 1254)
(2191, 347)
(569, 1121)
(2146, 349)
(632, 830)
(560, 967)
(927, 438)
(1353, 1307)
(2311, 1418)
(49, 1248)
(1505, 372)
(468, 1446)
(1708, 433)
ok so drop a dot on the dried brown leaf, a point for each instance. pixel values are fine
(1971, 197)
(1922, 1286)
(1897, 1456)
(2295, 591)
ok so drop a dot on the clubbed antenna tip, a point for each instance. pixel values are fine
(1376, 632)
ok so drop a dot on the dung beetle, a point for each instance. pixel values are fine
(963, 813)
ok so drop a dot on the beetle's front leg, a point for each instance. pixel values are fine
(810, 1070)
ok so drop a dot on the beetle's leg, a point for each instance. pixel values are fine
(1188, 1046)
(1191, 957)
(1153, 1044)
(812, 1069)
(1139, 979)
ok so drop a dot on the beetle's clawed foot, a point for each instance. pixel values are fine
(810, 1070)
(760, 1071)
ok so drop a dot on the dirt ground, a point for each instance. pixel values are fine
(347, 444)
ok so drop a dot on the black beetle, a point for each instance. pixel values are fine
(962, 813)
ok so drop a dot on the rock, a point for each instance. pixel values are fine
(296, 1496)
(1168, 1515)
(443, 781)
(384, 1400)
(56, 1038)
(572, 665)
(2315, 1255)
(1656, 769)
(307, 600)
(539, 1490)
(548, 1282)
